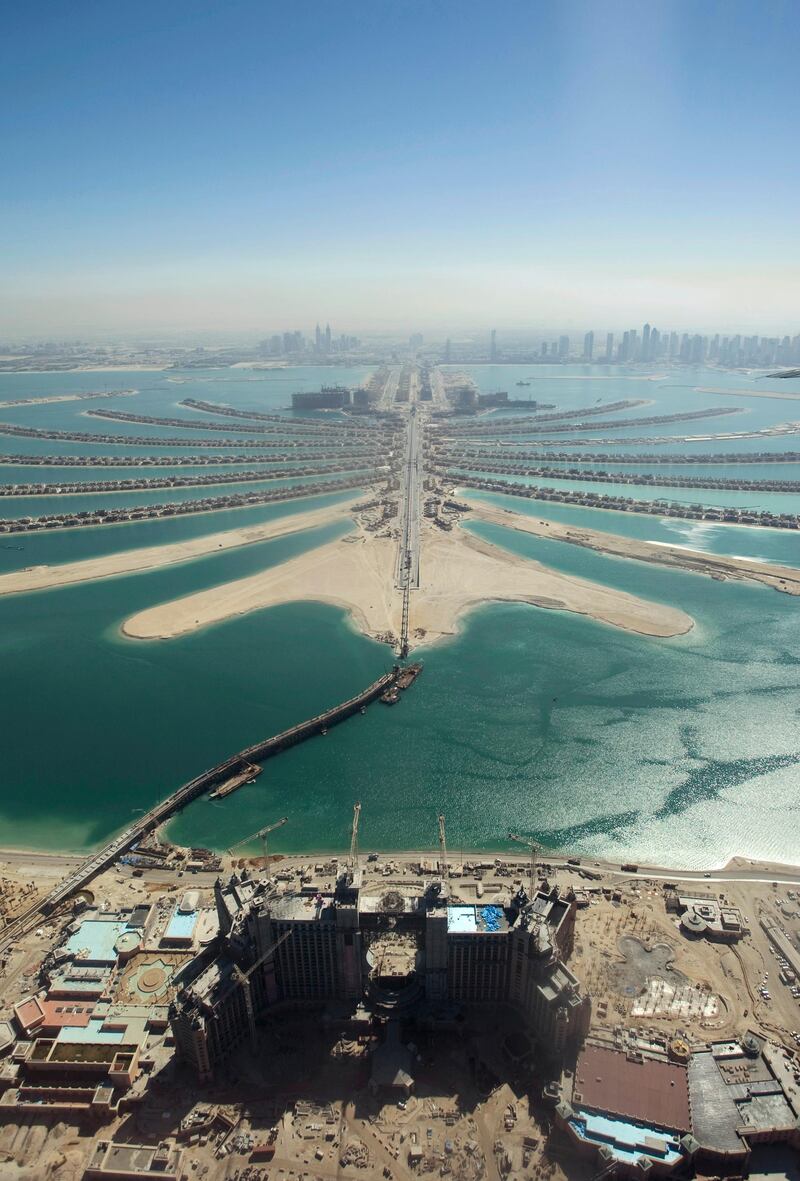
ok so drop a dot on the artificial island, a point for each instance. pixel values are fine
(176, 1012)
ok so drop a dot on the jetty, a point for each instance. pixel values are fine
(221, 780)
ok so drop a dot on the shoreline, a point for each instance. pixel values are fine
(156, 557)
(461, 572)
(785, 579)
(736, 863)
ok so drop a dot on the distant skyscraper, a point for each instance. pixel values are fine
(327, 338)
(563, 346)
(655, 344)
(609, 346)
(588, 346)
(645, 350)
(493, 346)
(544, 348)
(318, 339)
(625, 347)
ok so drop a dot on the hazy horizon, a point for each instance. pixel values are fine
(397, 167)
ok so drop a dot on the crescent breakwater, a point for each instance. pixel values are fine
(68, 398)
(732, 516)
(388, 686)
(179, 508)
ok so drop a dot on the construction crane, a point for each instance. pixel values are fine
(243, 979)
(262, 835)
(443, 870)
(512, 836)
(354, 838)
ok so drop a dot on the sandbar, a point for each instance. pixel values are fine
(784, 397)
(458, 572)
(718, 566)
(153, 557)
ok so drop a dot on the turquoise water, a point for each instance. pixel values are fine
(681, 751)
(14, 507)
(768, 545)
(775, 502)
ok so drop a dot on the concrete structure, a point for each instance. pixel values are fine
(705, 916)
(132, 1162)
(328, 398)
(414, 955)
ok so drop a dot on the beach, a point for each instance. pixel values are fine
(780, 578)
(156, 556)
(459, 572)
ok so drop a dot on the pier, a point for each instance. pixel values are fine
(224, 777)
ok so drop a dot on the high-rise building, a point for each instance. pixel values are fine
(399, 952)
(644, 352)
(327, 338)
(609, 346)
(563, 346)
(625, 347)
(655, 345)
(544, 348)
(318, 339)
(493, 346)
(588, 346)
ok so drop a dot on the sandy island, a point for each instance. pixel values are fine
(155, 556)
(718, 566)
(458, 572)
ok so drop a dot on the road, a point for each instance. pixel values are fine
(407, 569)
(386, 401)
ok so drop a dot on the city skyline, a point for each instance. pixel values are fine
(220, 169)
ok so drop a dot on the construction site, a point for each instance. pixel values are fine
(399, 1015)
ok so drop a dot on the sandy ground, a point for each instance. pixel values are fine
(781, 578)
(458, 572)
(155, 556)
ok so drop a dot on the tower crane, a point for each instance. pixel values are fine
(354, 838)
(262, 834)
(443, 870)
(243, 979)
(512, 836)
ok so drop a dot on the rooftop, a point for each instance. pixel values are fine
(475, 920)
(95, 940)
(626, 1140)
(648, 1091)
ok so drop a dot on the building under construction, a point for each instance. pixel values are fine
(417, 954)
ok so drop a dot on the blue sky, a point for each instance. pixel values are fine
(244, 164)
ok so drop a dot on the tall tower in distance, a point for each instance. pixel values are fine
(318, 339)
(609, 346)
(327, 338)
(588, 346)
(493, 346)
(644, 354)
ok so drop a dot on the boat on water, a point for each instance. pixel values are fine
(523, 383)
